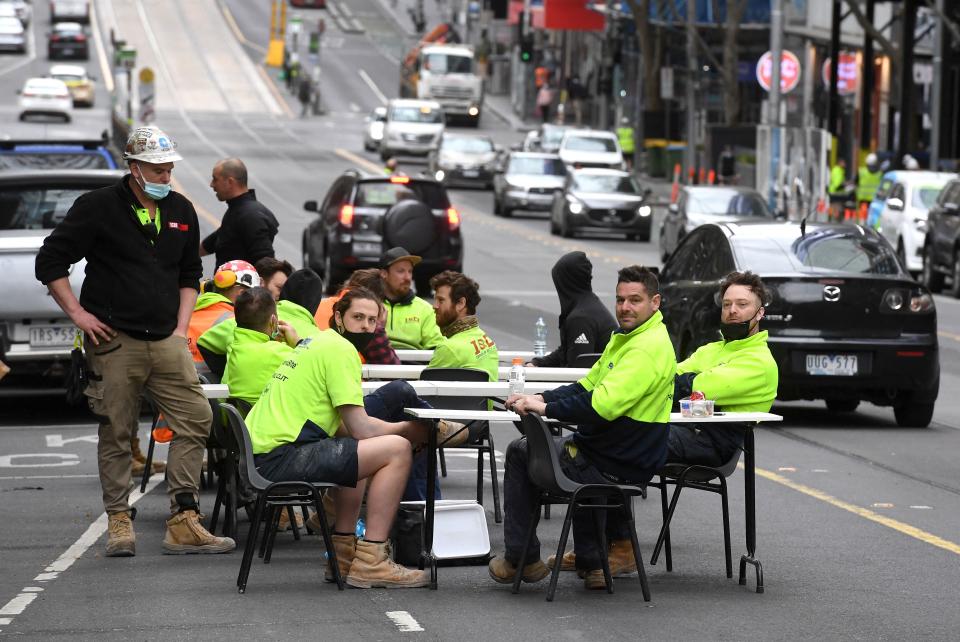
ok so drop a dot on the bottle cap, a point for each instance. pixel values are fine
(518, 361)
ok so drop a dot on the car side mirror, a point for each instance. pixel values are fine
(674, 208)
(310, 206)
(895, 204)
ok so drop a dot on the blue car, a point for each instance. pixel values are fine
(56, 154)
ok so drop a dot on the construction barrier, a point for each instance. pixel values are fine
(675, 188)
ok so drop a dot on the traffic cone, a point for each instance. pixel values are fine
(712, 177)
(692, 176)
(161, 432)
(675, 188)
(862, 213)
(703, 176)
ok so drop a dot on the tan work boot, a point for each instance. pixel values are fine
(373, 568)
(594, 580)
(503, 571)
(450, 433)
(121, 540)
(284, 525)
(567, 563)
(329, 509)
(345, 547)
(186, 535)
(139, 461)
(619, 556)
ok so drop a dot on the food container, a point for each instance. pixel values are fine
(696, 407)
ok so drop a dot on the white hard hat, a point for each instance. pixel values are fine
(871, 159)
(909, 162)
(150, 145)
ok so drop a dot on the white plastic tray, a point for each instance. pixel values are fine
(459, 529)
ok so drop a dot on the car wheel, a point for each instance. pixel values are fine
(913, 415)
(931, 278)
(842, 405)
(955, 284)
(506, 212)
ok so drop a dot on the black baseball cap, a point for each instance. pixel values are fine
(395, 254)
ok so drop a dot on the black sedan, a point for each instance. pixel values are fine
(846, 321)
(67, 40)
(601, 200)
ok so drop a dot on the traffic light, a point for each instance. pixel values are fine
(526, 48)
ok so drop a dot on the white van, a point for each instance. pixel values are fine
(413, 128)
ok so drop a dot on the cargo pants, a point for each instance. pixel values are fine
(123, 369)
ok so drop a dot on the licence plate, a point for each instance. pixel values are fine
(52, 336)
(360, 247)
(67, 52)
(835, 365)
(470, 173)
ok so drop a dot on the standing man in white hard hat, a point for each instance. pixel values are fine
(140, 240)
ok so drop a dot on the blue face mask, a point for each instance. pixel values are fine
(156, 191)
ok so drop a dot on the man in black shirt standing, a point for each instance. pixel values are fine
(248, 227)
(142, 278)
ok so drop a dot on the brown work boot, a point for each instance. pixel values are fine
(373, 568)
(329, 509)
(186, 535)
(346, 548)
(450, 433)
(594, 580)
(121, 540)
(503, 571)
(620, 557)
(567, 563)
(284, 525)
(139, 461)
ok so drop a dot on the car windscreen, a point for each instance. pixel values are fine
(925, 197)
(589, 144)
(606, 184)
(35, 208)
(552, 135)
(68, 77)
(537, 166)
(467, 145)
(726, 202)
(416, 115)
(54, 160)
(440, 63)
(827, 250)
(386, 194)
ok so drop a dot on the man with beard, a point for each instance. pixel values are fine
(465, 345)
(622, 409)
(411, 322)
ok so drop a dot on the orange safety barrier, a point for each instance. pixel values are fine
(712, 177)
(691, 176)
(862, 212)
(675, 189)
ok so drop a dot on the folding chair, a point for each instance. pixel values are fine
(543, 467)
(699, 477)
(586, 360)
(485, 440)
(271, 497)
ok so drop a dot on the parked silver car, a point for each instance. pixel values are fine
(464, 160)
(700, 204)
(528, 182)
(35, 336)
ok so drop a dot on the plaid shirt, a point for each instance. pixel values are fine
(379, 350)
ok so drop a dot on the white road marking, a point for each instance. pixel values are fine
(18, 604)
(105, 70)
(404, 621)
(66, 459)
(22, 477)
(365, 77)
(922, 507)
(354, 107)
(58, 441)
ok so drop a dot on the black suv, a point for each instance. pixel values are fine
(941, 249)
(364, 215)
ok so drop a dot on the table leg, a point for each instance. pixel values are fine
(427, 554)
(750, 508)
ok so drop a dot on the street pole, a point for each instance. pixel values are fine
(776, 54)
(866, 91)
(906, 139)
(936, 96)
(833, 117)
(639, 155)
(690, 152)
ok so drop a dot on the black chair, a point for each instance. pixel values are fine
(699, 477)
(586, 360)
(229, 483)
(271, 497)
(484, 440)
(543, 467)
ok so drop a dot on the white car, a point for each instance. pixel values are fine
(45, 97)
(373, 129)
(903, 219)
(413, 127)
(591, 148)
(12, 35)
(78, 82)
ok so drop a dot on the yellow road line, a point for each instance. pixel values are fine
(359, 160)
(202, 211)
(949, 335)
(889, 522)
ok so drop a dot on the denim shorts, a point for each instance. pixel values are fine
(332, 460)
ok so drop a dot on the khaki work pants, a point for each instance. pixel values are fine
(164, 369)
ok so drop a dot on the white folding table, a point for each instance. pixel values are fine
(412, 371)
(423, 356)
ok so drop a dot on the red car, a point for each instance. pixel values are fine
(310, 4)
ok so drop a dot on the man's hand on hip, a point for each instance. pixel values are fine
(93, 327)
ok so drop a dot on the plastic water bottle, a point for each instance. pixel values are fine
(361, 528)
(516, 377)
(540, 338)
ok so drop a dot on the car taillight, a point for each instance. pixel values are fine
(901, 300)
(346, 215)
(403, 180)
(453, 218)
(80, 38)
(29, 94)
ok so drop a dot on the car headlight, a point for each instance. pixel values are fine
(574, 204)
(644, 210)
(439, 175)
